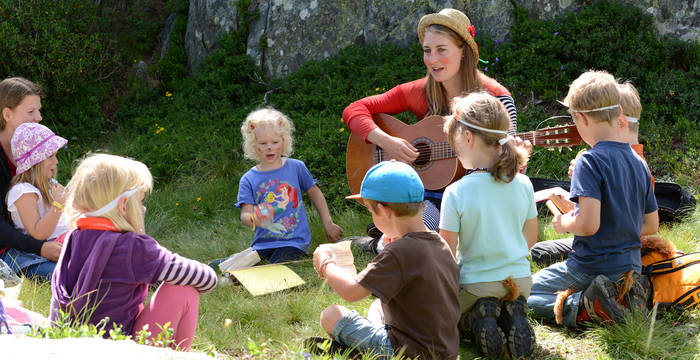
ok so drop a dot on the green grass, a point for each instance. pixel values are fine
(273, 326)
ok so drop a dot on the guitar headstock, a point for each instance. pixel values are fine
(557, 137)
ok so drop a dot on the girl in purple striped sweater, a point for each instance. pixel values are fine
(108, 261)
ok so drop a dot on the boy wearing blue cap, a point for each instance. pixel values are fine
(415, 277)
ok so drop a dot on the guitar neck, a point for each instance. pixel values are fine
(555, 137)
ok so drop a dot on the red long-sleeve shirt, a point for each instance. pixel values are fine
(411, 97)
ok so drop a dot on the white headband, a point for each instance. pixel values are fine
(112, 204)
(632, 119)
(503, 141)
(504, 132)
(597, 109)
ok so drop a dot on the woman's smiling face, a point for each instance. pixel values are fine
(442, 57)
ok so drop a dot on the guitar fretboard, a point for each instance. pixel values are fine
(443, 150)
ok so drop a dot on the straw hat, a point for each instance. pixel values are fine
(33, 143)
(456, 21)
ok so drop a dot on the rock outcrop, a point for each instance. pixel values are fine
(288, 33)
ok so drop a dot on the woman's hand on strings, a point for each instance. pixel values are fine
(395, 147)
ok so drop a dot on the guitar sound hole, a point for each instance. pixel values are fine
(423, 154)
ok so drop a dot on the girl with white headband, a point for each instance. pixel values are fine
(108, 261)
(489, 220)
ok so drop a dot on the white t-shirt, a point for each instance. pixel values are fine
(20, 189)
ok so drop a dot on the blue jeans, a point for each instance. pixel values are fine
(557, 277)
(31, 265)
(282, 254)
(357, 332)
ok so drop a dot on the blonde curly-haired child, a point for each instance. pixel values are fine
(269, 194)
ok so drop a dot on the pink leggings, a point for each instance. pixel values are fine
(176, 304)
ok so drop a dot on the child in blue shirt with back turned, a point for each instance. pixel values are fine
(615, 205)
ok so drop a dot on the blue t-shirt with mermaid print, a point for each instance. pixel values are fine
(281, 189)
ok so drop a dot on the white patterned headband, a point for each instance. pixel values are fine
(112, 204)
(632, 119)
(596, 109)
(501, 141)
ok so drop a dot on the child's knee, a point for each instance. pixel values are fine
(330, 316)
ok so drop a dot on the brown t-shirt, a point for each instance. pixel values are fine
(417, 280)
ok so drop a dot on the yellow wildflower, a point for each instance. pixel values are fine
(199, 198)
(168, 94)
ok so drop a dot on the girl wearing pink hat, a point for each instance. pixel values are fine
(35, 200)
(20, 102)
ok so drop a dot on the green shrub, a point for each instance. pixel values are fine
(59, 44)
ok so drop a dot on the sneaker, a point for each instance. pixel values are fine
(637, 298)
(365, 243)
(520, 336)
(372, 231)
(482, 321)
(599, 301)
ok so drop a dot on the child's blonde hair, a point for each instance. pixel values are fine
(35, 176)
(273, 119)
(101, 178)
(594, 90)
(631, 104)
(485, 111)
(13, 91)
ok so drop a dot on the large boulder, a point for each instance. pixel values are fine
(207, 20)
(288, 33)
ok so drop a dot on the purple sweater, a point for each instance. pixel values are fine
(106, 274)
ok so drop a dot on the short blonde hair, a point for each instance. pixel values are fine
(273, 119)
(400, 209)
(631, 105)
(592, 90)
(101, 178)
(484, 110)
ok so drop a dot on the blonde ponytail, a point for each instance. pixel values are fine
(485, 116)
(509, 162)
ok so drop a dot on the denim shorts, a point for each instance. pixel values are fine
(31, 265)
(357, 332)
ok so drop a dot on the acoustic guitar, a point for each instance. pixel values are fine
(437, 164)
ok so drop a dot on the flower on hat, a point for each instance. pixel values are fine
(471, 30)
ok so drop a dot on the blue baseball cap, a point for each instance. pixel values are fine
(392, 182)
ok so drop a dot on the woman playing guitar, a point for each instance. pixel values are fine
(450, 55)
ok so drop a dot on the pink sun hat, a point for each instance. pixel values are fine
(33, 143)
